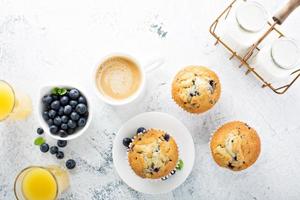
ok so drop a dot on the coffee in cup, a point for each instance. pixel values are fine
(118, 77)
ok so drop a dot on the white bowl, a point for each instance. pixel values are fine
(47, 90)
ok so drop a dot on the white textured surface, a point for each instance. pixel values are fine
(61, 41)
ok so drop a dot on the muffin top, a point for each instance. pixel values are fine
(235, 146)
(196, 89)
(153, 154)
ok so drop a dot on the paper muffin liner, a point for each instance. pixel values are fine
(158, 179)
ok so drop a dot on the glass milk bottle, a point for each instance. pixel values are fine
(276, 61)
(245, 25)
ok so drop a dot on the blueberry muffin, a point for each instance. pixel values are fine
(196, 89)
(235, 146)
(153, 154)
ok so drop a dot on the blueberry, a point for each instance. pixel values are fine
(57, 121)
(50, 122)
(70, 164)
(45, 115)
(212, 83)
(53, 150)
(40, 131)
(47, 107)
(167, 137)
(81, 108)
(73, 103)
(44, 148)
(68, 109)
(61, 111)
(70, 131)
(54, 97)
(126, 142)
(47, 100)
(74, 94)
(81, 122)
(86, 114)
(53, 129)
(72, 124)
(156, 169)
(62, 143)
(64, 100)
(55, 105)
(64, 126)
(60, 155)
(74, 116)
(64, 119)
(82, 99)
(52, 114)
(62, 133)
(141, 130)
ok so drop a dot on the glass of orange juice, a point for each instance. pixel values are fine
(14, 104)
(41, 183)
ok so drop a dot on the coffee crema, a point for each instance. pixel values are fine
(118, 77)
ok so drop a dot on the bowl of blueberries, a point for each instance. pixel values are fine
(64, 112)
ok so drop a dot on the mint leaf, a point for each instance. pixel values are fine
(39, 141)
(62, 91)
(59, 91)
(55, 90)
(180, 165)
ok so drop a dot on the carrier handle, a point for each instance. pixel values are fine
(285, 11)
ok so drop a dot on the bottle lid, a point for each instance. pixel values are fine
(252, 16)
(285, 53)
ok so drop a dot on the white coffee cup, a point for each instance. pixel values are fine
(142, 87)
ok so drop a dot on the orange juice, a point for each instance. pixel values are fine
(14, 104)
(39, 184)
(23, 107)
(7, 100)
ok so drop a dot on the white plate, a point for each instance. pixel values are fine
(172, 126)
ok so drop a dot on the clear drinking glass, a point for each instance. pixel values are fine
(14, 104)
(41, 183)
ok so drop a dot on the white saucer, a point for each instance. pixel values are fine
(172, 126)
